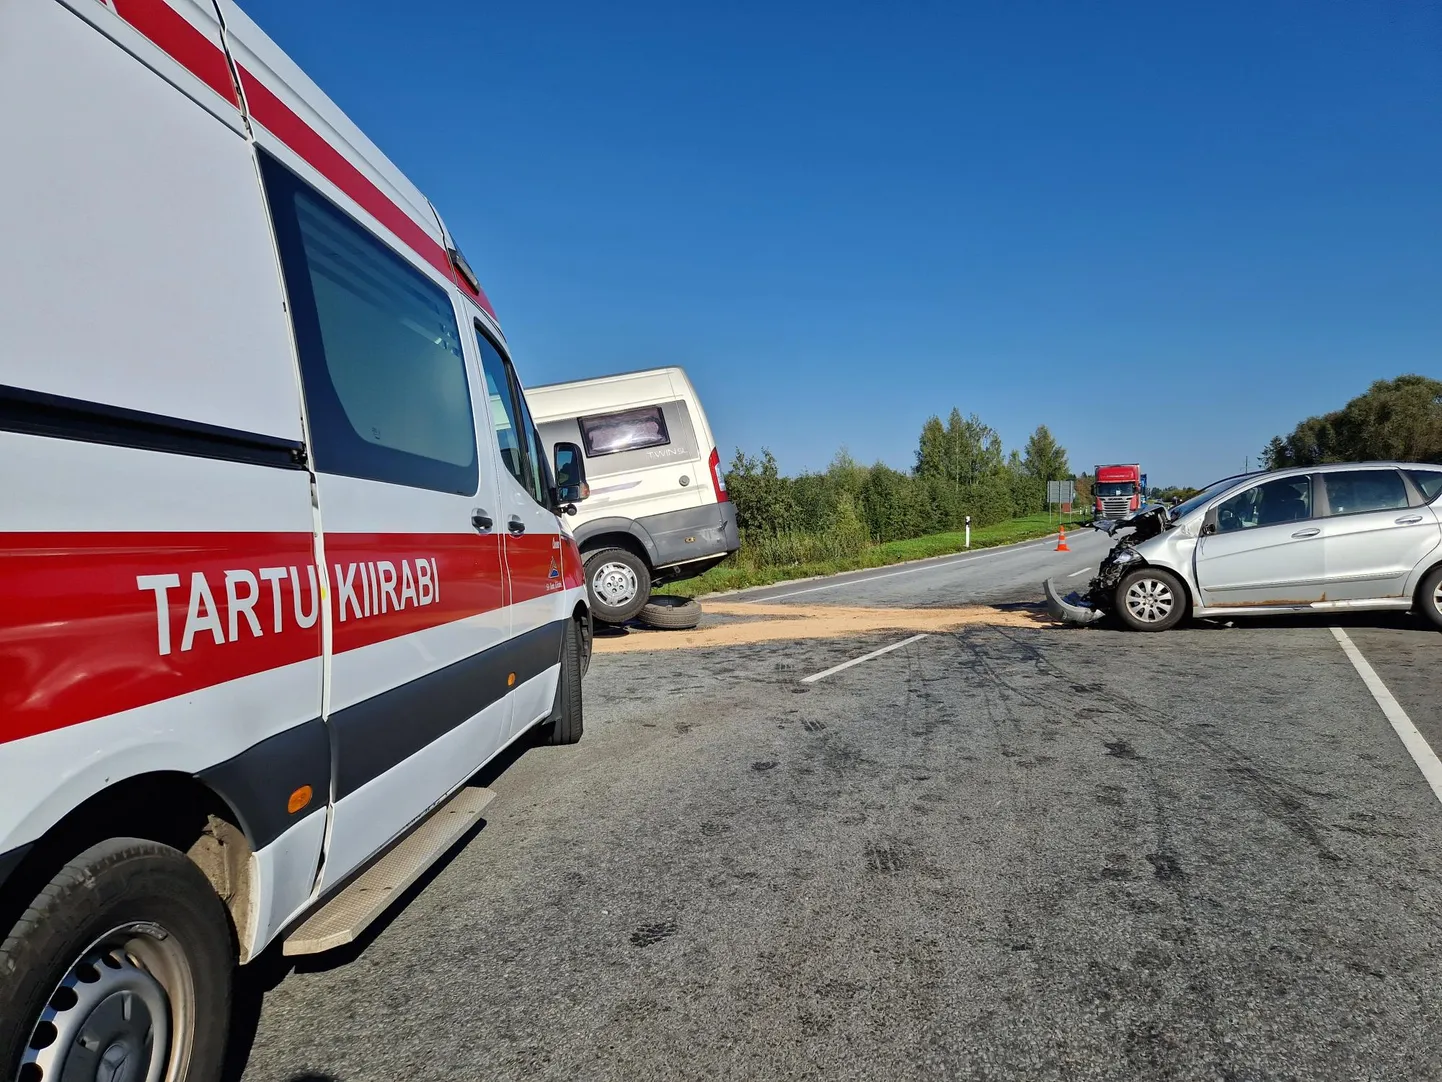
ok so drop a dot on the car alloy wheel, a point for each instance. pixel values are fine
(1150, 600)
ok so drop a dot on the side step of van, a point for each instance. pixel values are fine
(340, 920)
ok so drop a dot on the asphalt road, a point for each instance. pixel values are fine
(996, 854)
(987, 576)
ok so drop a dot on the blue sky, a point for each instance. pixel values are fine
(1168, 231)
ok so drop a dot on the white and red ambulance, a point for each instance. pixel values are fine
(282, 561)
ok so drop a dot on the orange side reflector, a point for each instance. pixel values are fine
(299, 799)
(511, 680)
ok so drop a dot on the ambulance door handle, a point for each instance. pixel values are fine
(481, 519)
(517, 526)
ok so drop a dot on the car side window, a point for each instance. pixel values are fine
(380, 350)
(1353, 492)
(1272, 503)
(1429, 481)
(515, 433)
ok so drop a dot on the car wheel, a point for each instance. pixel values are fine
(565, 724)
(671, 613)
(120, 968)
(1429, 596)
(1151, 599)
(619, 584)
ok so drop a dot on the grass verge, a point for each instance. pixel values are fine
(735, 575)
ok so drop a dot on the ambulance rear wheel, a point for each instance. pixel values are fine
(619, 584)
(119, 968)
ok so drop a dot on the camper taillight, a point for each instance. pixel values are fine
(717, 480)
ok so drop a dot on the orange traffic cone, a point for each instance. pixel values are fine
(1061, 545)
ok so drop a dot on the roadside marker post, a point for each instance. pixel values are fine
(968, 531)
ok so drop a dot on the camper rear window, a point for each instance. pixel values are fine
(611, 433)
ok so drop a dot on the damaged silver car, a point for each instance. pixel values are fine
(1349, 536)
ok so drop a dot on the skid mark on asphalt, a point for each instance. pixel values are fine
(648, 935)
(1280, 799)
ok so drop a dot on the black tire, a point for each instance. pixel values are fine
(1151, 599)
(671, 613)
(618, 582)
(89, 935)
(566, 722)
(1429, 597)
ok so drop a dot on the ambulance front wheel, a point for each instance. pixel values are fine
(119, 968)
(619, 584)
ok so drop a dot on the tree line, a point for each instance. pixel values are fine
(1399, 419)
(961, 469)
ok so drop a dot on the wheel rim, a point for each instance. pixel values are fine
(615, 584)
(1150, 600)
(123, 1012)
(1437, 597)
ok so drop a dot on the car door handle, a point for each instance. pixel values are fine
(481, 519)
(1311, 532)
(517, 526)
(1409, 520)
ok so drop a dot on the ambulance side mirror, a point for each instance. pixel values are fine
(571, 487)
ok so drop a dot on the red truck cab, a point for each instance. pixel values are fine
(1117, 491)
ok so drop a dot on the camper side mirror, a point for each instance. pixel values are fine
(571, 487)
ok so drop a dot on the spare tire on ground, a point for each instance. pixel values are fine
(670, 613)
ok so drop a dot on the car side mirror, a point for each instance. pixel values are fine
(571, 487)
(1208, 528)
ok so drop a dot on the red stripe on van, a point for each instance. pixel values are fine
(189, 47)
(81, 634)
(466, 566)
(80, 638)
(267, 108)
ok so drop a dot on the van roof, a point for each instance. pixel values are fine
(285, 107)
(669, 371)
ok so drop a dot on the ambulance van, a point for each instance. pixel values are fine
(282, 562)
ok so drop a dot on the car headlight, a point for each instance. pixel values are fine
(1126, 556)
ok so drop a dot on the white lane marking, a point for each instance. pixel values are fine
(1083, 571)
(942, 562)
(1415, 743)
(858, 660)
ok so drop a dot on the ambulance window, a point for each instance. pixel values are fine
(512, 421)
(380, 349)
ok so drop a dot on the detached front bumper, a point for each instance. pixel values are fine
(1071, 608)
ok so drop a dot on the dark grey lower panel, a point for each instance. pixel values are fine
(693, 533)
(373, 736)
(259, 781)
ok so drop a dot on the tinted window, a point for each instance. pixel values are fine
(1429, 481)
(1352, 492)
(512, 421)
(1287, 499)
(385, 382)
(632, 430)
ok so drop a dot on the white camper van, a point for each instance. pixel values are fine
(281, 566)
(658, 510)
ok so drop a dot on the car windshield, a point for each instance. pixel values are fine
(1216, 488)
(1115, 488)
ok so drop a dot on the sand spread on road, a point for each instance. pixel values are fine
(774, 623)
